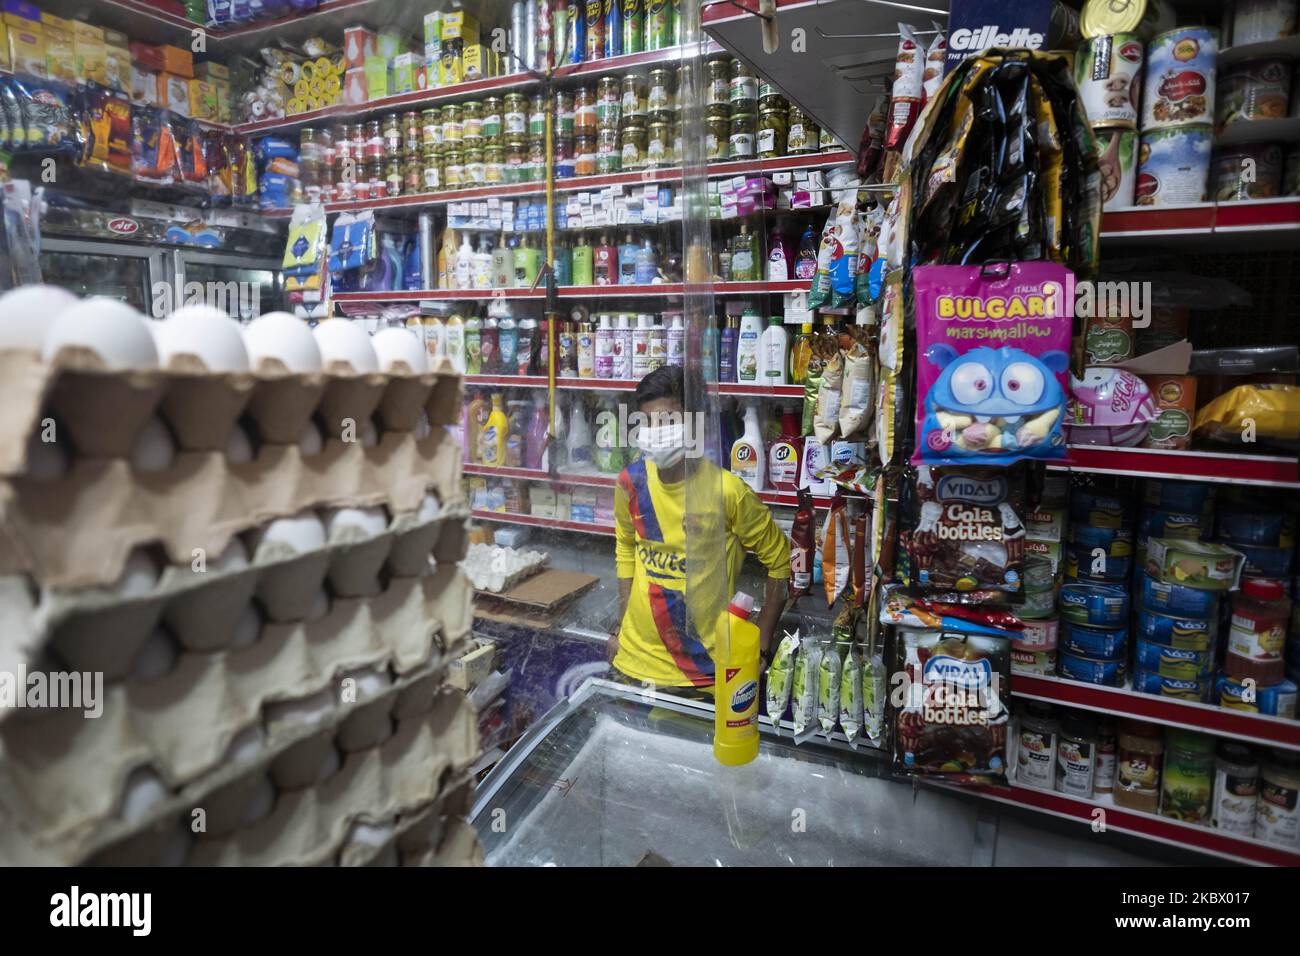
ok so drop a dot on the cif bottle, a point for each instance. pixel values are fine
(641, 347)
(604, 348)
(454, 336)
(622, 366)
(783, 455)
(492, 439)
(735, 689)
(503, 265)
(677, 341)
(526, 347)
(748, 460)
(627, 254)
(582, 264)
(747, 348)
(727, 355)
(473, 345)
(775, 344)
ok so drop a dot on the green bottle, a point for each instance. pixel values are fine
(582, 264)
(633, 26)
(528, 262)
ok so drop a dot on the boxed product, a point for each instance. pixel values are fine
(459, 25)
(26, 39)
(359, 44)
(472, 669)
(404, 72)
(376, 77)
(176, 60)
(1175, 400)
(143, 85)
(91, 52)
(1194, 564)
(473, 62)
(174, 93)
(211, 70)
(203, 100)
(117, 60)
(60, 48)
(146, 54)
(1276, 700)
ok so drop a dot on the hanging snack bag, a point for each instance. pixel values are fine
(858, 394)
(874, 694)
(829, 394)
(932, 75)
(837, 255)
(851, 695)
(48, 121)
(908, 89)
(994, 346)
(106, 129)
(962, 537)
(780, 677)
(803, 689)
(953, 722)
(835, 550)
(828, 687)
(861, 582)
(802, 545)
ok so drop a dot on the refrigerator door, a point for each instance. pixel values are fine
(616, 777)
(109, 269)
(242, 287)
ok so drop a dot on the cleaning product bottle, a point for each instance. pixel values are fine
(557, 455)
(800, 353)
(677, 341)
(658, 342)
(775, 344)
(535, 449)
(608, 454)
(604, 258)
(492, 439)
(516, 434)
(435, 337)
(780, 255)
(483, 263)
(586, 350)
(744, 256)
(727, 356)
(805, 264)
(528, 262)
(507, 339)
(627, 253)
(622, 368)
(476, 413)
(747, 454)
(747, 347)
(582, 263)
(413, 278)
(454, 337)
(562, 268)
(735, 688)
(465, 263)
(473, 345)
(527, 343)
(503, 265)
(604, 348)
(641, 347)
(647, 263)
(490, 346)
(783, 455)
(578, 442)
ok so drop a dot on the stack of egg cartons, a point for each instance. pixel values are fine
(1254, 670)
(1033, 650)
(1094, 598)
(228, 578)
(1175, 626)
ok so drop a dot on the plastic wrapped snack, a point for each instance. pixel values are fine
(803, 544)
(1262, 410)
(780, 678)
(851, 695)
(858, 393)
(908, 88)
(836, 561)
(829, 398)
(874, 690)
(803, 689)
(828, 687)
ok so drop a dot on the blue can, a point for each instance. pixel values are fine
(1236, 527)
(1276, 700)
(1098, 605)
(1265, 562)
(1095, 642)
(577, 30)
(1118, 542)
(1179, 495)
(1082, 565)
(1100, 510)
(1090, 671)
(1147, 682)
(1176, 599)
(1160, 523)
(1176, 662)
(1191, 633)
(612, 11)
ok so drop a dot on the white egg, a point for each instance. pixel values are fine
(246, 746)
(368, 433)
(371, 834)
(343, 342)
(310, 441)
(302, 532)
(143, 791)
(369, 521)
(207, 334)
(27, 312)
(233, 558)
(261, 803)
(320, 606)
(248, 628)
(156, 659)
(429, 508)
(304, 712)
(45, 459)
(330, 764)
(155, 449)
(239, 447)
(397, 344)
(422, 428)
(282, 337)
(369, 682)
(113, 330)
(138, 576)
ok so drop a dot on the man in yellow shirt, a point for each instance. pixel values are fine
(657, 642)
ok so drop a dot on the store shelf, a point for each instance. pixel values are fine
(665, 290)
(1269, 220)
(536, 474)
(623, 385)
(1258, 729)
(552, 524)
(761, 391)
(1219, 467)
(434, 295)
(1136, 823)
(1286, 47)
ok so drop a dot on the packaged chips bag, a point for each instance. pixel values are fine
(803, 544)
(780, 678)
(932, 75)
(829, 395)
(858, 392)
(993, 357)
(828, 688)
(908, 89)
(836, 565)
(953, 721)
(833, 284)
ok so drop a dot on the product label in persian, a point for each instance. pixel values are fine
(1035, 760)
(1235, 797)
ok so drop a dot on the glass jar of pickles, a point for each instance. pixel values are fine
(632, 146)
(609, 102)
(608, 156)
(494, 161)
(375, 178)
(535, 167)
(565, 153)
(584, 155)
(717, 92)
(453, 127)
(634, 97)
(453, 168)
(771, 133)
(802, 134)
(412, 174)
(515, 117)
(516, 155)
(658, 148)
(432, 166)
(740, 141)
(563, 113)
(471, 117)
(677, 145)
(584, 110)
(475, 172)
(742, 91)
(374, 141)
(660, 102)
(431, 126)
(717, 130)
(770, 98)
(492, 122)
(537, 115)
(392, 135)
(411, 132)
(685, 86)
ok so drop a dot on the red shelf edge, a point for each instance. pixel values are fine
(552, 523)
(1154, 463)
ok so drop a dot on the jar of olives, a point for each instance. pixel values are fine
(453, 169)
(392, 135)
(515, 118)
(607, 152)
(740, 142)
(471, 115)
(677, 151)
(802, 134)
(492, 122)
(717, 93)
(770, 98)
(743, 89)
(537, 115)
(494, 161)
(634, 97)
(412, 174)
(475, 172)
(609, 102)
(375, 178)
(453, 126)
(536, 165)
(432, 172)
(658, 149)
(771, 134)
(660, 101)
(565, 158)
(717, 130)
(516, 155)
(632, 146)
(563, 113)
(374, 141)
(411, 132)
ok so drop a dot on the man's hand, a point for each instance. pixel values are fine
(611, 646)
(770, 615)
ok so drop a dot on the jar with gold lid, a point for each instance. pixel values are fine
(584, 110)
(563, 113)
(658, 150)
(717, 92)
(771, 134)
(537, 115)
(633, 146)
(635, 91)
(492, 121)
(475, 173)
(742, 90)
(472, 123)
(802, 134)
(453, 168)
(584, 155)
(494, 158)
(515, 117)
(516, 156)
(661, 102)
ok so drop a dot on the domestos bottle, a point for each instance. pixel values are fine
(735, 728)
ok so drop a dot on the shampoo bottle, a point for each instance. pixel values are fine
(677, 341)
(647, 263)
(527, 345)
(627, 254)
(465, 264)
(586, 350)
(622, 368)
(776, 342)
(473, 345)
(503, 265)
(747, 347)
(604, 348)
(454, 335)
(658, 343)
(641, 347)
(582, 263)
(508, 342)
(604, 263)
(727, 356)
(483, 264)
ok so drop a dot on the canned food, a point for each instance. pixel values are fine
(1179, 87)
(632, 145)
(717, 130)
(1253, 90)
(537, 116)
(634, 100)
(740, 141)
(514, 119)
(660, 101)
(658, 145)
(493, 124)
(771, 133)
(1117, 158)
(802, 134)
(1146, 18)
(1106, 71)
(1258, 21)
(1173, 166)
(1251, 171)
(742, 91)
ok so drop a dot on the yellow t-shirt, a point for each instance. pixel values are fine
(657, 641)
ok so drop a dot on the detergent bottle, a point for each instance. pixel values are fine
(748, 460)
(735, 687)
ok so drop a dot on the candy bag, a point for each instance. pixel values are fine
(835, 550)
(828, 688)
(994, 344)
(837, 254)
(802, 546)
(826, 424)
(780, 675)
(908, 88)
(812, 385)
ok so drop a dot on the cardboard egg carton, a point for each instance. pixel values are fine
(412, 837)
(64, 774)
(103, 410)
(101, 630)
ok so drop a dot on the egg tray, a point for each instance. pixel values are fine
(296, 754)
(101, 631)
(459, 847)
(79, 530)
(411, 835)
(309, 826)
(64, 773)
(527, 571)
(103, 411)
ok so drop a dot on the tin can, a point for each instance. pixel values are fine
(1107, 71)
(577, 31)
(1117, 159)
(1173, 166)
(633, 26)
(658, 25)
(1179, 85)
(593, 16)
(1258, 21)
(612, 14)
(1146, 18)
(1253, 90)
(1252, 171)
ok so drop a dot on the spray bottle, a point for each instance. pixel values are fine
(735, 688)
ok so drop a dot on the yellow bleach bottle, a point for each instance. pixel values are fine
(735, 687)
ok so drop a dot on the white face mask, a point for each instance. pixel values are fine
(664, 445)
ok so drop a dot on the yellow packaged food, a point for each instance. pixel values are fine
(1249, 412)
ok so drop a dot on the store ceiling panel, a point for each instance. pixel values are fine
(835, 56)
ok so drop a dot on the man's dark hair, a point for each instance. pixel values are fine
(663, 382)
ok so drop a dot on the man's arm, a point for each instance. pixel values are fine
(769, 617)
(624, 592)
(624, 561)
(759, 533)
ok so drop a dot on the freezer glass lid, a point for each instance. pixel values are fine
(613, 778)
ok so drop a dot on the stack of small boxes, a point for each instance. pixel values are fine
(1033, 650)
(41, 44)
(616, 206)
(383, 63)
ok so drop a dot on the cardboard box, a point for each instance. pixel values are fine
(473, 62)
(471, 670)
(404, 73)
(211, 70)
(459, 25)
(433, 28)
(177, 61)
(60, 48)
(147, 55)
(143, 85)
(26, 45)
(174, 93)
(203, 100)
(389, 44)
(117, 60)
(90, 52)
(223, 100)
(359, 43)
(376, 77)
